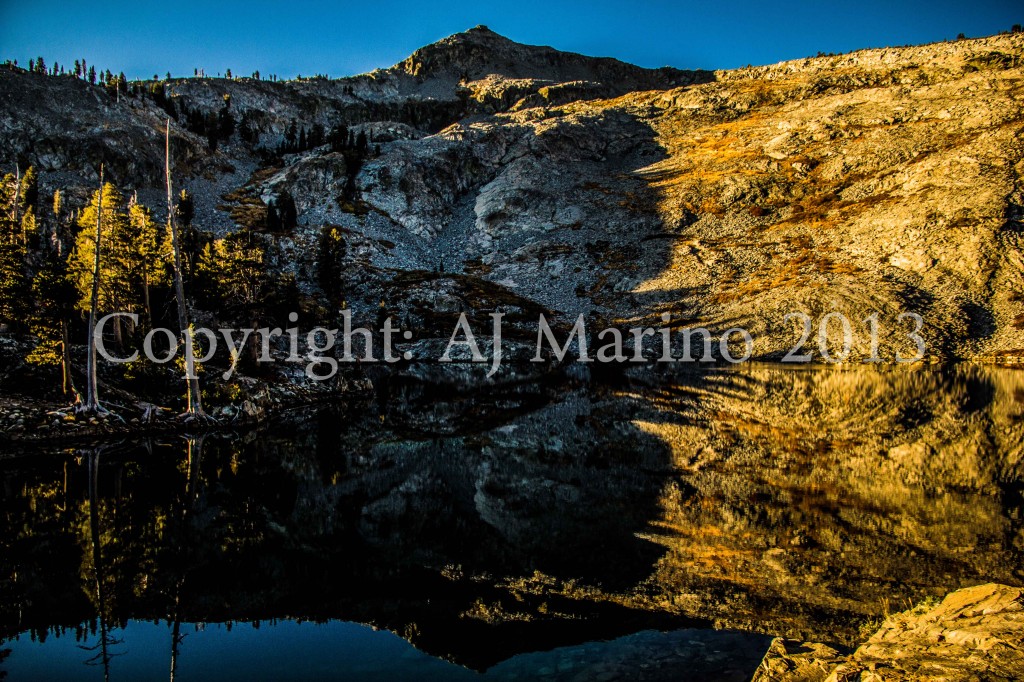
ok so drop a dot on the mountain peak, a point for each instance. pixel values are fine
(480, 52)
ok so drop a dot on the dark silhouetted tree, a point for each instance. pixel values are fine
(331, 251)
(338, 138)
(225, 121)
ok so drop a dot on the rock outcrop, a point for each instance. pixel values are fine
(973, 634)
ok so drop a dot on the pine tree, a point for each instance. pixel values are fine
(316, 136)
(247, 129)
(233, 273)
(54, 298)
(13, 283)
(8, 202)
(111, 290)
(331, 250)
(29, 190)
(29, 228)
(92, 75)
(185, 211)
(287, 211)
(338, 138)
(225, 121)
(291, 137)
(210, 126)
(59, 223)
(131, 258)
(190, 240)
(146, 267)
(235, 268)
(13, 279)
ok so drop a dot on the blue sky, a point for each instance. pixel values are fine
(342, 38)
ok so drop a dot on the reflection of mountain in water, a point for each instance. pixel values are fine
(779, 501)
(812, 499)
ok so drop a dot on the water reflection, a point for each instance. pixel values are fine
(337, 650)
(103, 650)
(479, 526)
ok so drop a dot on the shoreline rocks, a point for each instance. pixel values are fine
(974, 633)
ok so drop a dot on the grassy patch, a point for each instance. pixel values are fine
(797, 271)
(354, 206)
(476, 267)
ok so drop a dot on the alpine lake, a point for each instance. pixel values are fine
(648, 523)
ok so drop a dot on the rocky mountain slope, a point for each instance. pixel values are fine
(882, 181)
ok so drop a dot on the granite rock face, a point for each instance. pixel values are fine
(877, 182)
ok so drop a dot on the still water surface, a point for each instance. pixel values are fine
(645, 525)
(339, 650)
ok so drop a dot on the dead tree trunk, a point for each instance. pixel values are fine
(92, 400)
(103, 655)
(17, 197)
(65, 362)
(147, 308)
(195, 400)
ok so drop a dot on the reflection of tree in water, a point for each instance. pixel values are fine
(103, 651)
(180, 519)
